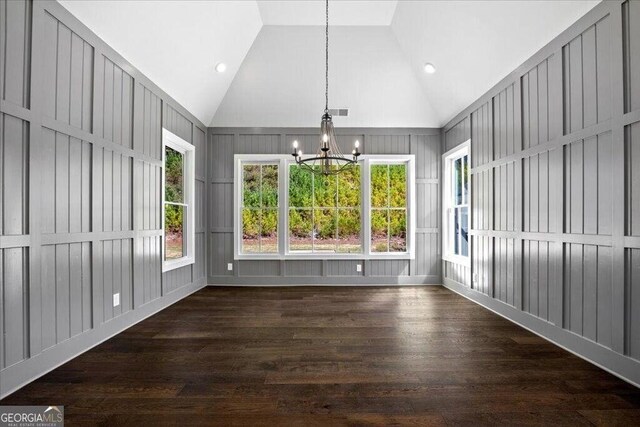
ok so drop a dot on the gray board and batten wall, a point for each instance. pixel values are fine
(555, 228)
(80, 182)
(555, 234)
(224, 143)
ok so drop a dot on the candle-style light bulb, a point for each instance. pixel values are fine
(299, 153)
(325, 138)
(295, 144)
(355, 151)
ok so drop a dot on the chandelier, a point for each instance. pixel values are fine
(328, 160)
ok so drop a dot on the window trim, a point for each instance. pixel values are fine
(174, 142)
(284, 161)
(239, 159)
(447, 203)
(314, 255)
(411, 205)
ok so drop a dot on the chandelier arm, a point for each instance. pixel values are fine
(340, 159)
(306, 166)
(309, 164)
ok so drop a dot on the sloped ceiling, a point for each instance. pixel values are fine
(475, 44)
(177, 44)
(281, 81)
(343, 12)
(274, 51)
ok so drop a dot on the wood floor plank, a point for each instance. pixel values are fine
(331, 356)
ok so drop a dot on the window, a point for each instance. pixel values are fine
(388, 207)
(260, 208)
(285, 211)
(456, 204)
(324, 211)
(178, 197)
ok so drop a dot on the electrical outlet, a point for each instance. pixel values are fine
(116, 299)
(230, 266)
(475, 277)
(359, 268)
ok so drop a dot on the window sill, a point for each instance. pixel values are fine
(177, 263)
(458, 259)
(337, 257)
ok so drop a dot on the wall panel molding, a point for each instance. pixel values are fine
(567, 270)
(589, 19)
(81, 218)
(224, 143)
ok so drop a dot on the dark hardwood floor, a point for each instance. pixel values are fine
(331, 356)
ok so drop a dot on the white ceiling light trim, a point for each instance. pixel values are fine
(429, 68)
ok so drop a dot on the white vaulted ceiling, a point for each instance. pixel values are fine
(177, 44)
(274, 51)
(281, 82)
(312, 12)
(474, 44)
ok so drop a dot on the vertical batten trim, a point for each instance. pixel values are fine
(35, 177)
(619, 329)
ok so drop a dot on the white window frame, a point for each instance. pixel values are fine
(314, 255)
(188, 152)
(448, 204)
(411, 204)
(255, 159)
(283, 207)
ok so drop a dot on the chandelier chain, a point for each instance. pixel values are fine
(326, 68)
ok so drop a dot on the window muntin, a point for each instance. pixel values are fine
(178, 199)
(457, 204)
(326, 218)
(174, 206)
(324, 211)
(389, 207)
(260, 208)
(174, 225)
(460, 206)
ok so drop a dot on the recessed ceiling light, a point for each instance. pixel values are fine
(221, 67)
(429, 68)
